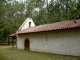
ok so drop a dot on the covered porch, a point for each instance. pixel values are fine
(12, 40)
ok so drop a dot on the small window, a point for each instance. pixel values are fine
(29, 24)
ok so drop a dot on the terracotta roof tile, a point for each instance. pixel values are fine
(54, 26)
(13, 34)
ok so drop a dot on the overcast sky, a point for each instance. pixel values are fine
(25, 0)
(35, 8)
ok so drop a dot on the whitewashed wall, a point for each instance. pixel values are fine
(26, 24)
(65, 42)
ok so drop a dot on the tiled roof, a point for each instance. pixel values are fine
(13, 34)
(54, 26)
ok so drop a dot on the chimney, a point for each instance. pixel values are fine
(78, 16)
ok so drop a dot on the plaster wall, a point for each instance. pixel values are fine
(66, 42)
(26, 24)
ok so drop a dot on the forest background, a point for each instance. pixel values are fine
(14, 12)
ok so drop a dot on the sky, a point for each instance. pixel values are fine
(37, 9)
(25, 0)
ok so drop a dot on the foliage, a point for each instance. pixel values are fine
(13, 13)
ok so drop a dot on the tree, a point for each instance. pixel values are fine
(13, 13)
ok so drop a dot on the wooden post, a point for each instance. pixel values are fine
(16, 43)
(13, 42)
(8, 40)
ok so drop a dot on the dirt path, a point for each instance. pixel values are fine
(5, 46)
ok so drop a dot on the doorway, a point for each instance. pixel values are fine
(27, 44)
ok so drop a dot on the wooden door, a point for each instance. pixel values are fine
(27, 45)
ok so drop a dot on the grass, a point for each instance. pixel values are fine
(8, 53)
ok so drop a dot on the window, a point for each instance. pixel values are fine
(29, 24)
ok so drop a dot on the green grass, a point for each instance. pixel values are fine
(14, 54)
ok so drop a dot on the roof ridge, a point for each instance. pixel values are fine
(67, 24)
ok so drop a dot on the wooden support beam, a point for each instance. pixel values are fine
(13, 42)
(8, 40)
